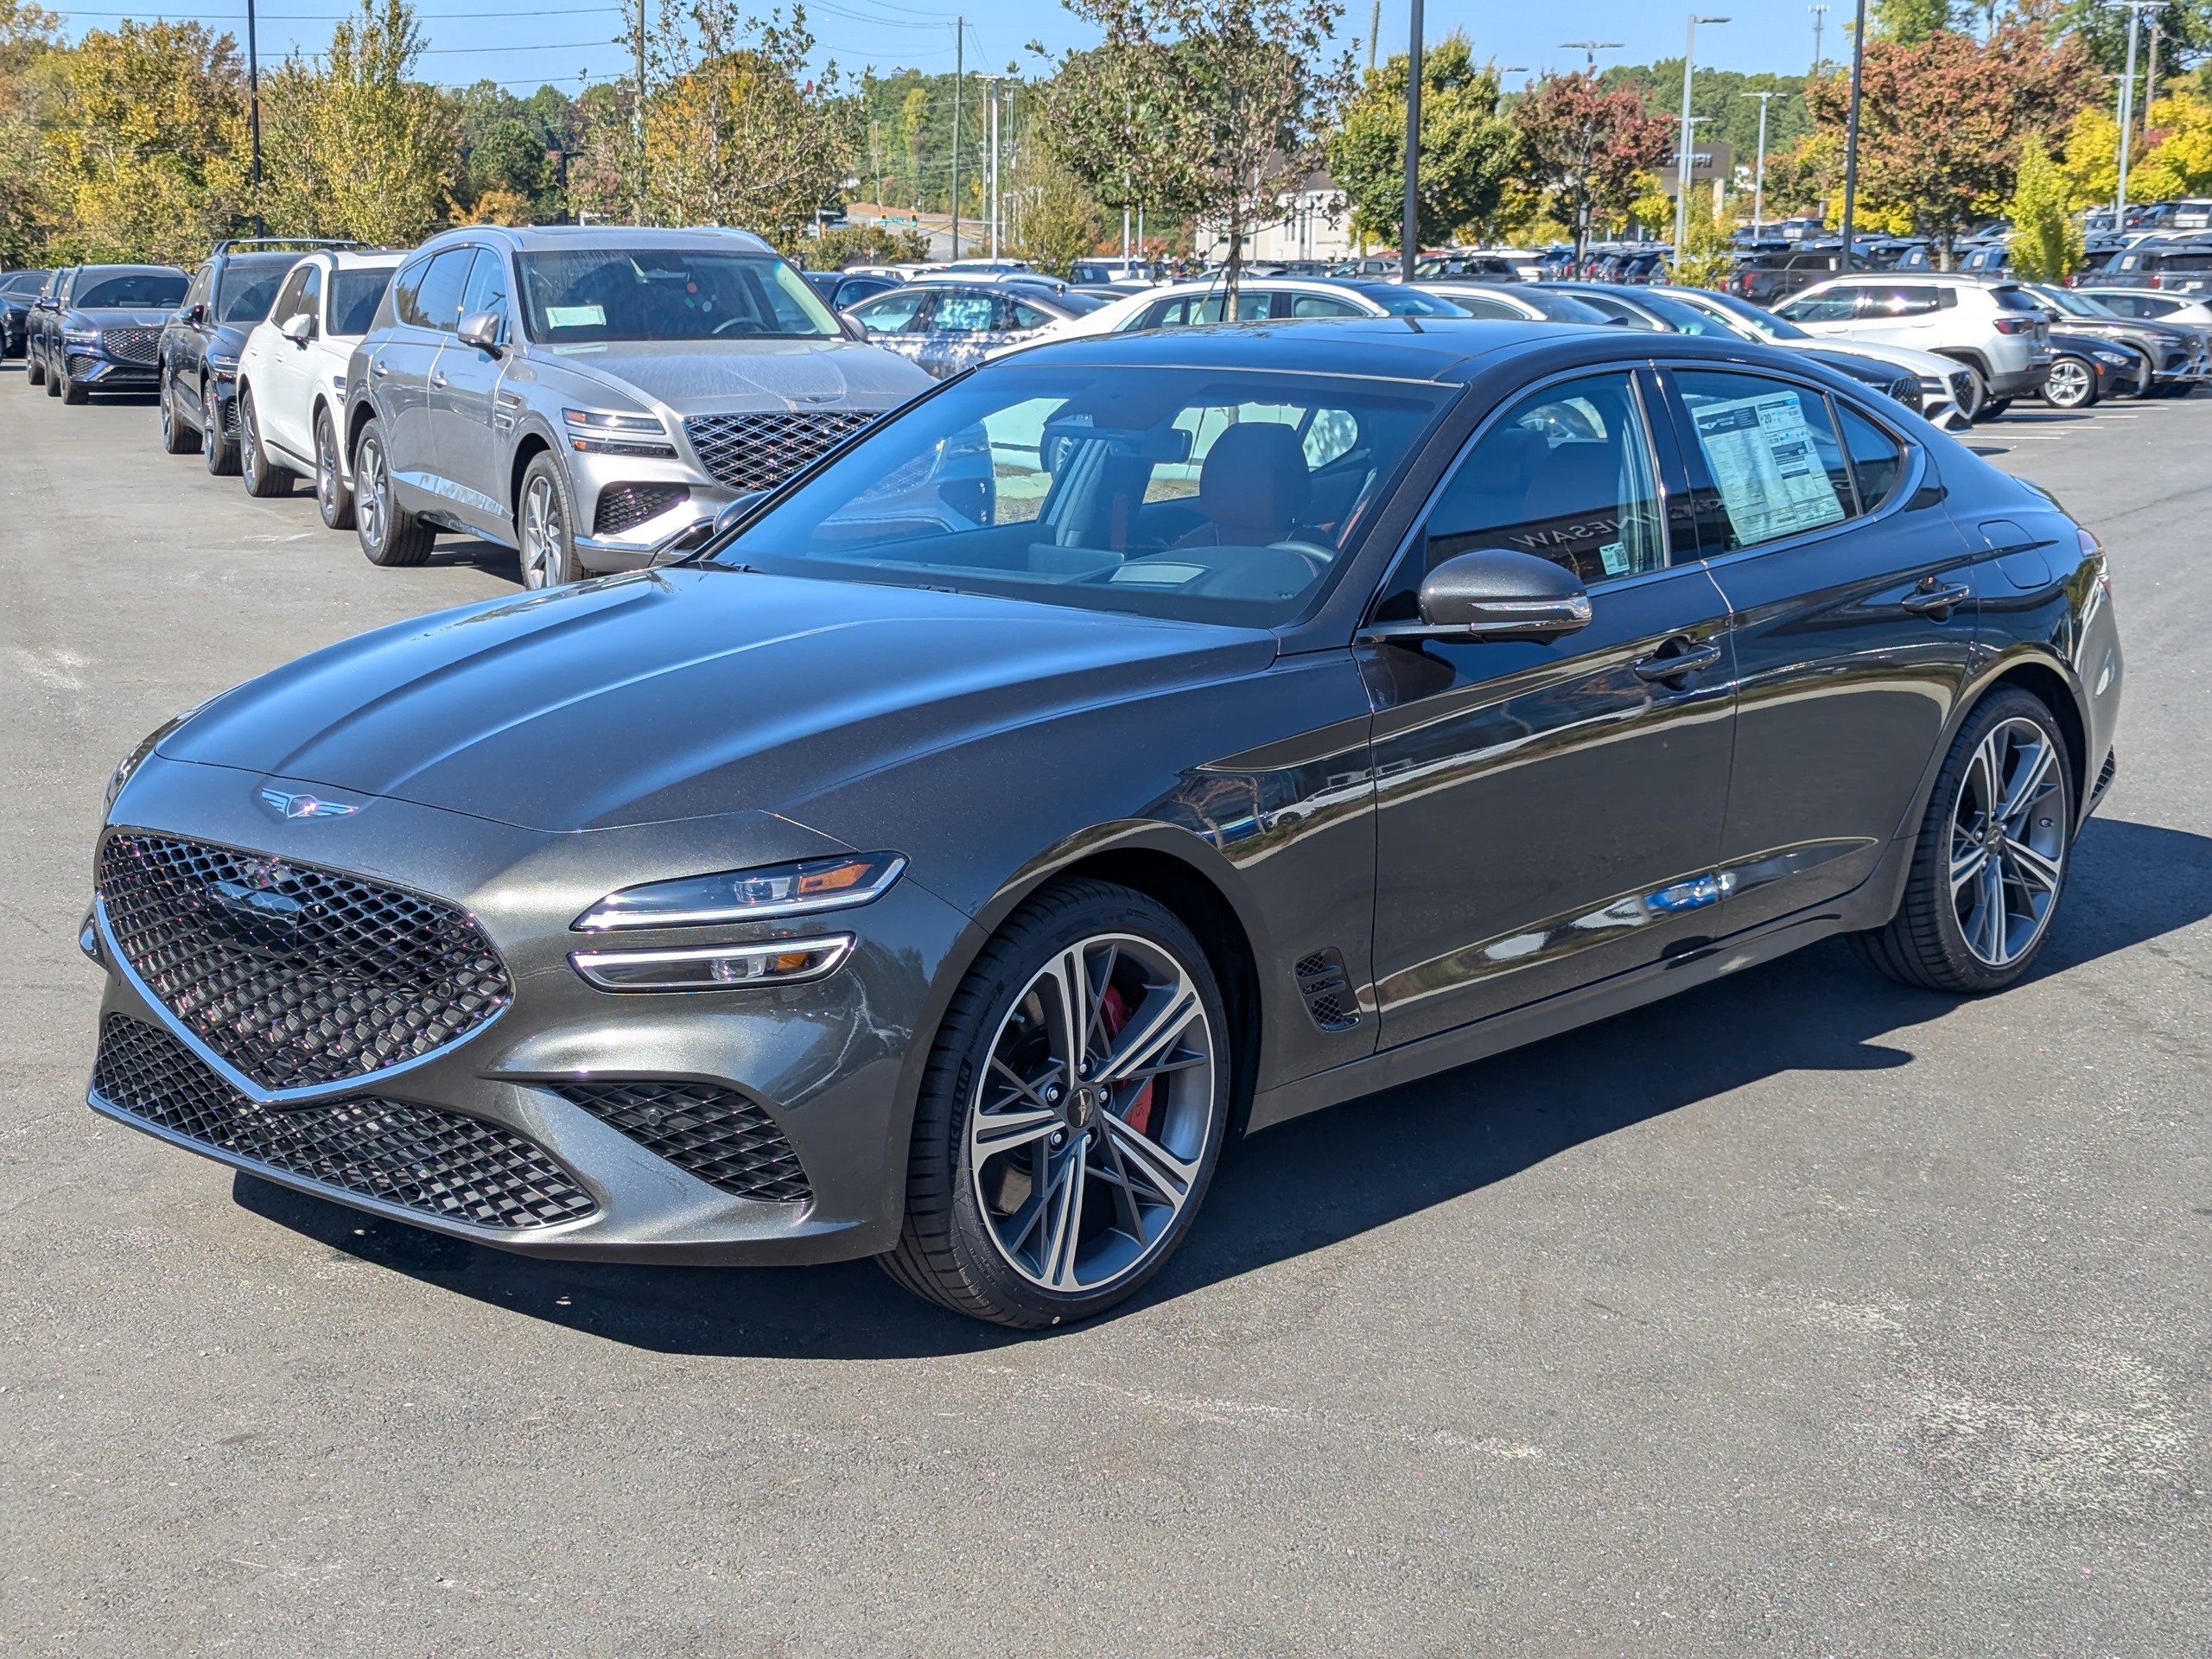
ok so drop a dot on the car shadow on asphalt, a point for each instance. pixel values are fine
(1321, 1179)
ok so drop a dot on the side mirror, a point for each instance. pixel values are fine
(299, 327)
(736, 512)
(481, 330)
(1495, 593)
(851, 327)
(195, 314)
(47, 303)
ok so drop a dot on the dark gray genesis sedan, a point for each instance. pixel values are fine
(1132, 744)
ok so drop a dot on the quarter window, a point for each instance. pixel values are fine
(1877, 459)
(1766, 463)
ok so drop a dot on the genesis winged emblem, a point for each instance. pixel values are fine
(306, 806)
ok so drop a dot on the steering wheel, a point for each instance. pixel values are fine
(726, 324)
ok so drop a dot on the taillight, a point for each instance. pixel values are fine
(2013, 325)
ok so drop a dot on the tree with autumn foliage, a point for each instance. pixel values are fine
(1468, 150)
(1941, 121)
(1588, 149)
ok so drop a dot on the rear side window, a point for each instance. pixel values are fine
(2194, 261)
(2016, 299)
(1766, 463)
(1901, 300)
(1877, 459)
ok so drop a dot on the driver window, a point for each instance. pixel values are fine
(487, 286)
(309, 303)
(1567, 474)
(291, 297)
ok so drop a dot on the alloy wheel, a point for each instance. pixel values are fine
(1087, 1132)
(541, 535)
(2070, 385)
(2008, 843)
(326, 467)
(372, 493)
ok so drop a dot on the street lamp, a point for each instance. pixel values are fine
(1758, 184)
(1851, 133)
(2134, 8)
(1590, 49)
(1410, 230)
(1683, 159)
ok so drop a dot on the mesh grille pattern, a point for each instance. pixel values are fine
(295, 974)
(622, 506)
(139, 346)
(755, 451)
(438, 1162)
(82, 367)
(715, 1134)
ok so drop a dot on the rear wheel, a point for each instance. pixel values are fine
(547, 526)
(263, 476)
(388, 534)
(2146, 380)
(2072, 384)
(177, 438)
(220, 453)
(1073, 1113)
(1991, 860)
(33, 364)
(332, 498)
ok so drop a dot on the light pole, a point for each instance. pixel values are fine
(1819, 16)
(1683, 159)
(992, 174)
(1758, 178)
(253, 99)
(1850, 134)
(1410, 251)
(1590, 49)
(2134, 8)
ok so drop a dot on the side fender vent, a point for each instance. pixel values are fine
(1323, 981)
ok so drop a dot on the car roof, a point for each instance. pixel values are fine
(543, 239)
(1446, 350)
(166, 271)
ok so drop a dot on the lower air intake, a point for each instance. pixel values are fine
(718, 1134)
(441, 1163)
(624, 505)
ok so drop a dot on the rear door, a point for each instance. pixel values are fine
(1851, 601)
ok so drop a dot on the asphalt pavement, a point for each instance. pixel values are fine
(1801, 1315)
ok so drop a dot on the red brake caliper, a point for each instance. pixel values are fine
(1114, 1014)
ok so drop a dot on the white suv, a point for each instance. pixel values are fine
(1995, 328)
(292, 377)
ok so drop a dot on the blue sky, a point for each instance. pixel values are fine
(561, 41)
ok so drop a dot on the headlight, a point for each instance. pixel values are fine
(801, 889)
(222, 365)
(719, 968)
(136, 758)
(81, 336)
(599, 433)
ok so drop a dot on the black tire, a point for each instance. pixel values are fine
(33, 365)
(1993, 408)
(333, 496)
(388, 534)
(177, 438)
(52, 381)
(2072, 383)
(2146, 378)
(2176, 389)
(72, 391)
(955, 1247)
(545, 525)
(1928, 943)
(219, 454)
(263, 477)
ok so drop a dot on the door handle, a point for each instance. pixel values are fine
(1679, 666)
(1938, 602)
(437, 379)
(379, 370)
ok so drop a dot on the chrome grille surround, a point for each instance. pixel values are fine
(718, 1134)
(420, 1158)
(294, 975)
(757, 452)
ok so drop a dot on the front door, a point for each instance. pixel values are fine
(1853, 607)
(426, 304)
(467, 441)
(1550, 813)
(281, 405)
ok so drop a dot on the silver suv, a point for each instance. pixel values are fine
(592, 397)
(1998, 329)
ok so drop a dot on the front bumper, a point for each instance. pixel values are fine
(827, 1064)
(105, 374)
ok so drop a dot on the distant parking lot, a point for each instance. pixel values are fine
(1800, 1314)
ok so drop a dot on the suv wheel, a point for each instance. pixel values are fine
(2072, 384)
(263, 476)
(33, 364)
(1071, 1114)
(53, 381)
(548, 526)
(332, 498)
(177, 438)
(220, 453)
(73, 390)
(1991, 861)
(388, 534)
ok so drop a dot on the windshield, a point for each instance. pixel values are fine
(1193, 494)
(1763, 322)
(23, 281)
(1684, 318)
(151, 290)
(1409, 301)
(249, 288)
(353, 299)
(2073, 305)
(592, 295)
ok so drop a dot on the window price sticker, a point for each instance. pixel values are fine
(1766, 467)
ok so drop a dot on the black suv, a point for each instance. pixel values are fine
(98, 328)
(2171, 267)
(1770, 278)
(231, 291)
(19, 291)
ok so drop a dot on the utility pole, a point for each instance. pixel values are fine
(1683, 160)
(638, 120)
(959, 73)
(1851, 135)
(1819, 16)
(1410, 251)
(2151, 74)
(994, 173)
(253, 108)
(1758, 182)
(1374, 32)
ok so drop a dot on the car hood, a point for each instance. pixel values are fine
(685, 693)
(116, 316)
(694, 378)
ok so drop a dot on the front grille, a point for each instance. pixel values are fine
(294, 974)
(622, 506)
(439, 1162)
(718, 1134)
(139, 346)
(757, 452)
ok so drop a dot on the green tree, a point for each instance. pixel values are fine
(1468, 150)
(1704, 259)
(2046, 244)
(1909, 22)
(28, 207)
(1055, 220)
(1587, 150)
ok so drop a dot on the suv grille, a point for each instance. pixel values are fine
(439, 1162)
(295, 974)
(139, 346)
(622, 506)
(718, 1134)
(756, 452)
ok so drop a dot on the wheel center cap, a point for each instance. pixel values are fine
(1083, 1107)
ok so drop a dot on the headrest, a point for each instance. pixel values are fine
(1256, 480)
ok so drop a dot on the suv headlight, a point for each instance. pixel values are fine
(136, 758)
(756, 895)
(81, 336)
(597, 432)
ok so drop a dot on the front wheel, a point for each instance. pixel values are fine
(1991, 857)
(548, 526)
(263, 476)
(2072, 384)
(2145, 382)
(388, 534)
(220, 453)
(1071, 1115)
(333, 500)
(33, 365)
(73, 390)
(177, 438)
